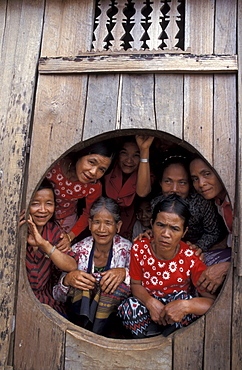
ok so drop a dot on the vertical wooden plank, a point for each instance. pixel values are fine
(93, 351)
(138, 102)
(58, 121)
(61, 98)
(217, 345)
(225, 27)
(172, 28)
(58, 124)
(40, 333)
(118, 30)
(239, 177)
(225, 127)
(236, 324)
(137, 30)
(68, 27)
(19, 56)
(237, 288)
(188, 346)
(3, 8)
(169, 103)
(102, 102)
(199, 26)
(101, 31)
(198, 113)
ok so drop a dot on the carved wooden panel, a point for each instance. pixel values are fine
(138, 25)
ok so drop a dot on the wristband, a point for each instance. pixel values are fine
(144, 160)
(68, 236)
(47, 255)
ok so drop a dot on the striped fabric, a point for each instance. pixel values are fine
(95, 307)
(41, 271)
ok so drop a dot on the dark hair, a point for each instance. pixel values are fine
(172, 203)
(174, 159)
(139, 200)
(127, 139)
(104, 148)
(45, 184)
(109, 204)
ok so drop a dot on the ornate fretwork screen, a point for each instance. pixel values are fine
(139, 25)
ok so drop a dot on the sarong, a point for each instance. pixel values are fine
(135, 316)
(94, 307)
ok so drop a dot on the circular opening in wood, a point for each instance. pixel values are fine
(160, 152)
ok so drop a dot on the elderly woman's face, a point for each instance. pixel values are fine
(103, 227)
(168, 229)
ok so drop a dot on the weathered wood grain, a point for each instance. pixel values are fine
(236, 323)
(225, 130)
(148, 62)
(40, 331)
(19, 57)
(225, 27)
(101, 105)
(138, 110)
(168, 96)
(104, 353)
(199, 26)
(3, 8)
(188, 347)
(217, 341)
(198, 113)
(68, 27)
(58, 121)
(239, 177)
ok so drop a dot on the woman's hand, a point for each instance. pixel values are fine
(79, 279)
(199, 251)
(144, 142)
(34, 237)
(147, 234)
(211, 278)
(155, 308)
(64, 245)
(22, 220)
(174, 311)
(111, 279)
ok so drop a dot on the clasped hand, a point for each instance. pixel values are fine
(109, 282)
(167, 314)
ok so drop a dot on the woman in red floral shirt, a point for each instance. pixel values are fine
(163, 271)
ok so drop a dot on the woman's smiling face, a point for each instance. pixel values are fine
(91, 167)
(129, 157)
(205, 181)
(103, 227)
(42, 207)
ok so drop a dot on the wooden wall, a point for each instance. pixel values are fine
(190, 96)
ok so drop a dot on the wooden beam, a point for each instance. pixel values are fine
(23, 22)
(239, 177)
(179, 63)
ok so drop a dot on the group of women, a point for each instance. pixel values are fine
(80, 259)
